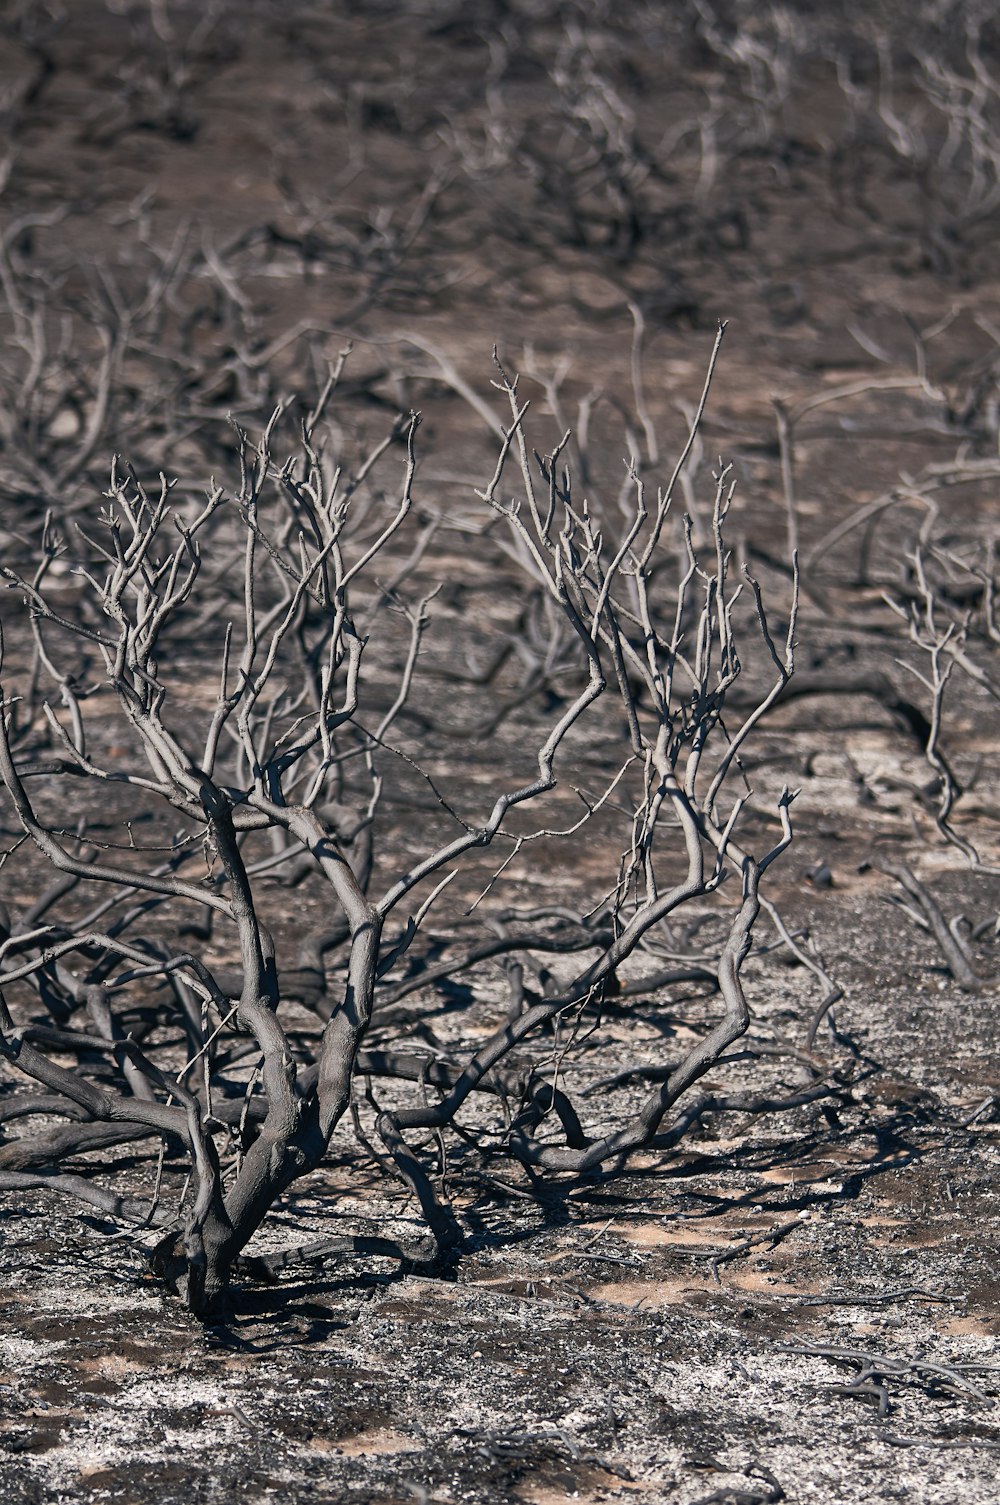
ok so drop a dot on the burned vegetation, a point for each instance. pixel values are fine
(149, 959)
(498, 790)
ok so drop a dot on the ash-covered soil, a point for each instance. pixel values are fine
(797, 1305)
(691, 1329)
(687, 1331)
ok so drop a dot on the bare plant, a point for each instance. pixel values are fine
(241, 1056)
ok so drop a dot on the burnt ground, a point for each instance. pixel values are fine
(800, 1304)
